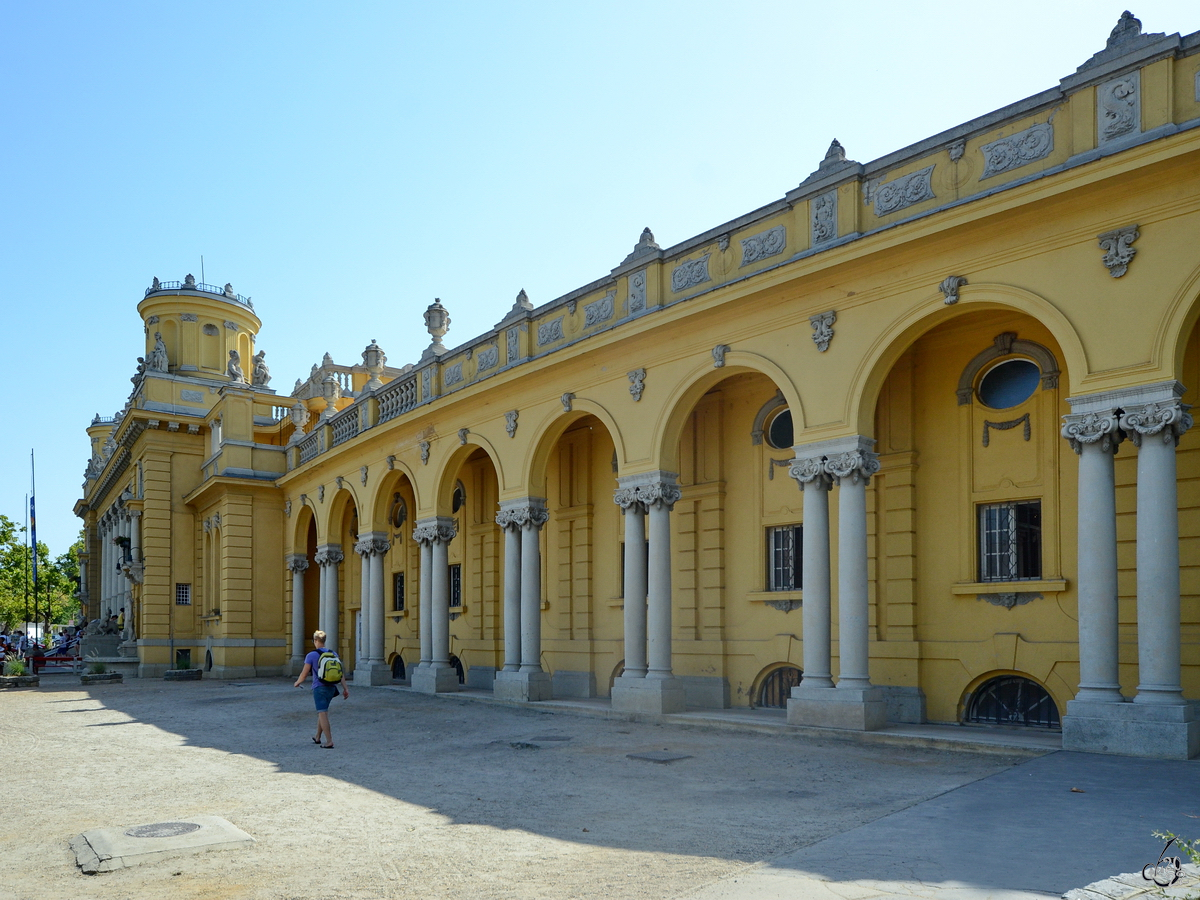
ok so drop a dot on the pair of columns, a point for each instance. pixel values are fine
(329, 557)
(433, 673)
(522, 677)
(853, 703)
(372, 668)
(1159, 722)
(648, 684)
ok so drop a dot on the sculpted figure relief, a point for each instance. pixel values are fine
(261, 373)
(234, 369)
(158, 356)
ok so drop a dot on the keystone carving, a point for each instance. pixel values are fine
(637, 384)
(510, 422)
(1118, 248)
(822, 325)
(718, 353)
(950, 287)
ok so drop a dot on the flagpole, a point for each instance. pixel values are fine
(25, 567)
(33, 530)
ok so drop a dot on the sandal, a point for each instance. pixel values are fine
(316, 741)
(327, 746)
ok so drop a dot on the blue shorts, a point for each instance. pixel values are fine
(322, 694)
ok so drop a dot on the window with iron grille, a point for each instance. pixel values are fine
(397, 592)
(456, 585)
(183, 595)
(783, 557)
(1010, 541)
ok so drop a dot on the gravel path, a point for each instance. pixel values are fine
(422, 796)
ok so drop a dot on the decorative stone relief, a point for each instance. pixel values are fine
(856, 465)
(822, 325)
(287, 509)
(453, 374)
(532, 511)
(599, 311)
(723, 243)
(187, 317)
(689, 274)
(566, 401)
(950, 287)
(903, 192)
(549, 331)
(234, 369)
(489, 358)
(427, 383)
(193, 429)
(1009, 599)
(1016, 150)
(173, 426)
(766, 244)
(572, 305)
(153, 320)
(297, 563)
(1166, 418)
(1004, 426)
(462, 436)
(424, 447)
(1119, 107)
(783, 605)
(391, 463)
(321, 493)
(328, 556)
(510, 422)
(514, 345)
(439, 530)
(232, 326)
(956, 150)
(339, 481)
(1118, 248)
(637, 292)
(637, 384)
(810, 472)
(192, 396)
(1093, 428)
(718, 353)
(823, 217)
(362, 475)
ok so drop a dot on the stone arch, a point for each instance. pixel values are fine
(1177, 325)
(381, 497)
(336, 511)
(698, 382)
(1007, 344)
(930, 312)
(448, 473)
(980, 681)
(552, 427)
(303, 518)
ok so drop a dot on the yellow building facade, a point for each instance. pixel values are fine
(911, 443)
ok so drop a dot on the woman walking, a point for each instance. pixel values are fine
(327, 678)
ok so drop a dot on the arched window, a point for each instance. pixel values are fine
(777, 687)
(460, 497)
(458, 668)
(397, 668)
(399, 512)
(1012, 700)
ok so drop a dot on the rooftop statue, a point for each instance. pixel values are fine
(261, 374)
(234, 369)
(229, 290)
(157, 285)
(158, 356)
(189, 283)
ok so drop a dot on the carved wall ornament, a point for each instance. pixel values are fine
(424, 447)
(689, 274)
(1168, 419)
(391, 463)
(1009, 599)
(600, 310)
(903, 192)
(1004, 426)
(566, 401)
(298, 563)
(321, 493)
(637, 292)
(232, 326)
(427, 383)
(514, 344)
(462, 436)
(572, 305)
(627, 499)
(1016, 150)
(187, 317)
(766, 244)
(857, 465)
(1119, 108)
(469, 352)
(637, 384)
(783, 605)
(153, 320)
(1093, 428)
(510, 422)
(822, 325)
(489, 358)
(723, 243)
(216, 520)
(1118, 249)
(950, 287)
(957, 149)
(823, 217)
(718, 353)
(339, 481)
(810, 472)
(549, 331)
(774, 463)
(362, 475)
(453, 374)
(287, 508)
(193, 428)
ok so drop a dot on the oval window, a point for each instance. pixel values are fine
(1009, 384)
(460, 497)
(779, 432)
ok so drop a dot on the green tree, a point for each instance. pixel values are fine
(57, 578)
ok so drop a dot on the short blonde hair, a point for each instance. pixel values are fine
(318, 637)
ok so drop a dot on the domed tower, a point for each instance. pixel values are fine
(192, 327)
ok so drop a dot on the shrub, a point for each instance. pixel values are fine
(14, 667)
(97, 668)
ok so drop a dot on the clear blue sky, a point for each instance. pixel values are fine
(344, 164)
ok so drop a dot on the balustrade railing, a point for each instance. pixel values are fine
(345, 425)
(397, 398)
(310, 447)
(198, 286)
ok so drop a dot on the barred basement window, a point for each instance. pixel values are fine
(456, 585)
(397, 592)
(1010, 541)
(1012, 700)
(183, 595)
(783, 557)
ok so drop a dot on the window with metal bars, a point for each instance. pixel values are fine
(397, 592)
(183, 595)
(456, 585)
(1010, 541)
(783, 557)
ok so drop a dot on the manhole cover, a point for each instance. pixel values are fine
(658, 756)
(163, 830)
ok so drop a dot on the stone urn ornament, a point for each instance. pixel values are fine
(373, 361)
(437, 323)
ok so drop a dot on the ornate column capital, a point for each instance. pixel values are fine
(1166, 418)
(810, 472)
(627, 499)
(372, 542)
(1102, 428)
(434, 530)
(656, 488)
(329, 555)
(297, 562)
(525, 511)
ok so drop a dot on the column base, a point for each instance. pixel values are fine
(523, 686)
(295, 666)
(1156, 731)
(428, 680)
(654, 696)
(375, 673)
(856, 709)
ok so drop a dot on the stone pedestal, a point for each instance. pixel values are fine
(655, 696)
(850, 708)
(524, 686)
(428, 680)
(375, 673)
(1154, 730)
(105, 646)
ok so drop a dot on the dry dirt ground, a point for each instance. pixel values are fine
(422, 796)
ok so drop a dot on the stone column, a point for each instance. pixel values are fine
(374, 669)
(297, 563)
(529, 683)
(105, 545)
(512, 591)
(425, 601)
(363, 644)
(635, 582)
(438, 676)
(659, 692)
(1095, 438)
(815, 582)
(136, 572)
(854, 704)
(329, 557)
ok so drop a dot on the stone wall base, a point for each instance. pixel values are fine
(904, 704)
(374, 673)
(523, 686)
(574, 684)
(428, 680)
(1157, 731)
(705, 691)
(653, 696)
(480, 678)
(855, 710)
